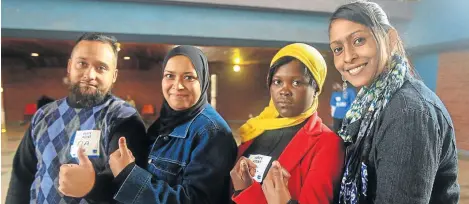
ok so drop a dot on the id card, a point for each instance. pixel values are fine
(88, 140)
(261, 162)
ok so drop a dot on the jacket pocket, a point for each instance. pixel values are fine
(166, 169)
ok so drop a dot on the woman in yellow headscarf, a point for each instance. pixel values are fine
(288, 155)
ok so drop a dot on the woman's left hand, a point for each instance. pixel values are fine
(120, 158)
(275, 185)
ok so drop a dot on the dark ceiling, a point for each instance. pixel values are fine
(55, 53)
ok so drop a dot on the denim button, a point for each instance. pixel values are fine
(149, 161)
(165, 138)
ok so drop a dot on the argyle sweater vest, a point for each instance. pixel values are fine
(53, 126)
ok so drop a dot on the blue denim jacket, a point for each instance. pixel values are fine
(190, 165)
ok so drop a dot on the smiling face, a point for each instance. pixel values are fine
(180, 84)
(91, 71)
(356, 53)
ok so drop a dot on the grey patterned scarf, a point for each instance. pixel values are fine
(366, 109)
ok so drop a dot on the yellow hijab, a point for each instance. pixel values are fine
(268, 119)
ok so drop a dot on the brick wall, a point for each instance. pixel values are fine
(23, 86)
(239, 94)
(453, 89)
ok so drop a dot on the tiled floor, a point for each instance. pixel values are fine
(14, 136)
(464, 180)
(10, 141)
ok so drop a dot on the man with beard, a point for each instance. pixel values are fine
(63, 156)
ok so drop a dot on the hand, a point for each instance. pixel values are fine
(275, 185)
(120, 158)
(242, 173)
(77, 180)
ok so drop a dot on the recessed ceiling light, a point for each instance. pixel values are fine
(236, 68)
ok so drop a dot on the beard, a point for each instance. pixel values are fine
(81, 96)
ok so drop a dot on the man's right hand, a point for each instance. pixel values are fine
(71, 182)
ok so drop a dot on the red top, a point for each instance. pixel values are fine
(314, 158)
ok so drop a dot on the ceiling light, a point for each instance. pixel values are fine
(126, 58)
(236, 68)
(34, 54)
